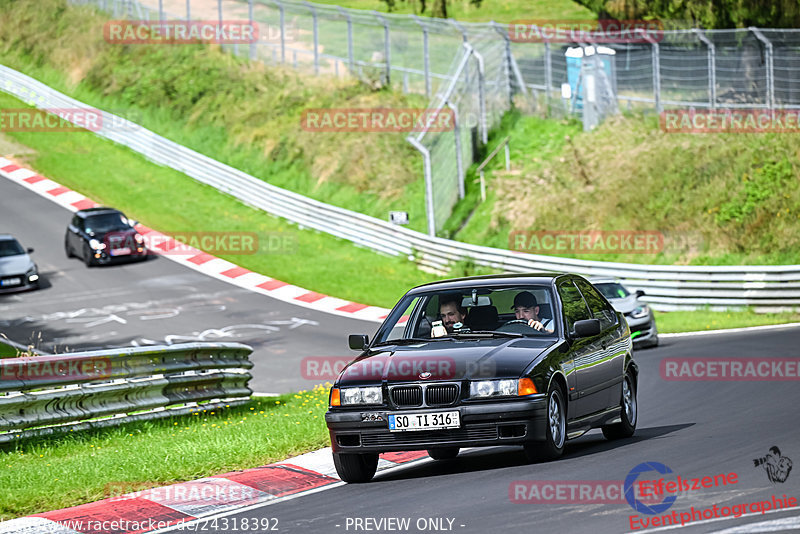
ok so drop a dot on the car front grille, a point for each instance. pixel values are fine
(473, 432)
(441, 395)
(406, 396)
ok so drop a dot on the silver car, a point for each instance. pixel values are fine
(639, 315)
(18, 272)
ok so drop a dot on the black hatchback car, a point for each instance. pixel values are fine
(102, 235)
(529, 360)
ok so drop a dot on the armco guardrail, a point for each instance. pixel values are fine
(41, 395)
(667, 287)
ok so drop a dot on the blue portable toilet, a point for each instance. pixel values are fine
(575, 56)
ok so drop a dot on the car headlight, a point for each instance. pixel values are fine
(641, 311)
(96, 245)
(32, 275)
(492, 388)
(368, 395)
(139, 239)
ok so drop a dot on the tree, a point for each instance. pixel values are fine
(439, 8)
(710, 14)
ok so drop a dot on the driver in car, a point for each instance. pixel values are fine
(451, 311)
(526, 309)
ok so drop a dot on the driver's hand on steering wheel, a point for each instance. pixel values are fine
(536, 325)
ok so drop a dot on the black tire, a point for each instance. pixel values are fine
(629, 412)
(355, 468)
(68, 249)
(555, 429)
(87, 255)
(443, 453)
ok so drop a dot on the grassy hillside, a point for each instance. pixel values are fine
(241, 113)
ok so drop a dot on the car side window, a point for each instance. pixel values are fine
(77, 222)
(599, 307)
(574, 306)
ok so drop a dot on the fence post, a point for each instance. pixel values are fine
(426, 161)
(188, 10)
(459, 156)
(656, 71)
(387, 49)
(316, 34)
(770, 71)
(160, 10)
(350, 56)
(252, 26)
(481, 97)
(506, 60)
(712, 68)
(548, 76)
(425, 55)
(283, 30)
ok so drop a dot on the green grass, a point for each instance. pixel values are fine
(6, 350)
(699, 320)
(718, 199)
(497, 10)
(75, 468)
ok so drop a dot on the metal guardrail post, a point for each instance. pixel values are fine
(459, 156)
(425, 55)
(350, 55)
(251, 18)
(387, 48)
(426, 161)
(712, 67)
(770, 69)
(313, 10)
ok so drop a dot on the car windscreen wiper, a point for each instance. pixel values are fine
(486, 334)
(412, 340)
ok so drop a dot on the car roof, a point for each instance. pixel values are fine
(95, 211)
(487, 280)
(6, 237)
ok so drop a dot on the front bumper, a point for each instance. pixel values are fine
(647, 328)
(23, 285)
(512, 422)
(103, 257)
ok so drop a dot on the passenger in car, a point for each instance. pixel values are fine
(526, 308)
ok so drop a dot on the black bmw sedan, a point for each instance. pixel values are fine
(530, 360)
(102, 235)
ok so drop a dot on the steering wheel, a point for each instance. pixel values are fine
(517, 321)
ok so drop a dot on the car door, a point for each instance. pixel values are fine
(608, 370)
(73, 234)
(584, 396)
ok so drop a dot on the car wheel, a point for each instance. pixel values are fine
(629, 412)
(87, 255)
(556, 429)
(444, 453)
(355, 468)
(68, 249)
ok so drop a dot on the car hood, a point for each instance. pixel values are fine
(626, 305)
(446, 360)
(113, 234)
(17, 264)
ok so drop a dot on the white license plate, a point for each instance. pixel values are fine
(124, 251)
(423, 421)
(11, 282)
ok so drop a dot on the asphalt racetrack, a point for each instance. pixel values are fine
(695, 428)
(156, 302)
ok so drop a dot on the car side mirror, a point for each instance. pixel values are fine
(358, 341)
(30, 251)
(587, 328)
(639, 293)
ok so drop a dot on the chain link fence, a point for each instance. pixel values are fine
(477, 69)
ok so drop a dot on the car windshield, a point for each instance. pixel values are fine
(10, 247)
(612, 290)
(107, 222)
(481, 312)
